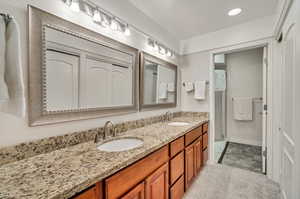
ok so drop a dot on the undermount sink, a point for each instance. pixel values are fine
(178, 124)
(120, 144)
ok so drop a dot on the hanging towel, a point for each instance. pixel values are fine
(220, 80)
(200, 90)
(189, 86)
(4, 96)
(163, 90)
(13, 75)
(242, 108)
(171, 87)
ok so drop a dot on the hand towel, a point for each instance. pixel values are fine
(220, 80)
(171, 87)
(200, 90)
(13, 72)
(162, 93)
(4, 96)
(189, 86)
(242, 108)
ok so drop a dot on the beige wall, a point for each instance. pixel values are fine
(244, 79)
(15, 130)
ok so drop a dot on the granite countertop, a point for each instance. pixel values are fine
(65, 172)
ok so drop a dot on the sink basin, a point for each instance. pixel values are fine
(178, 124)
(121, 144)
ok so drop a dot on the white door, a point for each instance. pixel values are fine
(288, 173)
(264, 111)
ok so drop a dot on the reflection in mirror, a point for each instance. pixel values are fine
(81, 74)
(158, 82)
(75, 73)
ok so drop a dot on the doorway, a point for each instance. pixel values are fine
(240, 108)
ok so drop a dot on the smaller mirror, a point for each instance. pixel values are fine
(158, 86)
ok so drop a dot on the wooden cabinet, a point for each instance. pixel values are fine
(136, 193)
(205, 140)
(176, 167)
(198, 155)
(123, 181)
(157, 184)
(164, 174)
(189, 165)
(177, 190)
(95, 192)
(176, 146)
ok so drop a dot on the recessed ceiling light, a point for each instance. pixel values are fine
(235, 12)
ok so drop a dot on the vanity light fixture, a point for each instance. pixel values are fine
(234, 11)
(74, 5)
(108, 20)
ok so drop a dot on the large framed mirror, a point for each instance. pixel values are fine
(75, 73)
(158, 83)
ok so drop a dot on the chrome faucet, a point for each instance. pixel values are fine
(107, 127)
(168, 116)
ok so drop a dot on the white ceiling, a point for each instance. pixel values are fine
(188, 18)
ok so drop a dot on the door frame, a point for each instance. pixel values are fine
(240, 47)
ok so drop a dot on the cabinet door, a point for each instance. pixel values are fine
(157, 186)
(90, 193)
(176, 167)
(177, 190)
(198, 155)
(136, 193)
(189, 165)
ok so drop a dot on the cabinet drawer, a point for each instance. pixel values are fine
(205, 127)
(205, 156)
(177, 190)
(205, 140)
(176, 167)
(176, 146)
(193, 135)
(118, 184)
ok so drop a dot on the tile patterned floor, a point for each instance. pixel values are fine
(243, 156)
(224, 182)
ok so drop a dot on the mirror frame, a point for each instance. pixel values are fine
(147, 57)
(38, 115)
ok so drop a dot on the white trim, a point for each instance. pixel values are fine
(244, 46)
(244, 141)
(284, 9)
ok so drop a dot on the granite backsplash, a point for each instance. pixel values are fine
(29, 149)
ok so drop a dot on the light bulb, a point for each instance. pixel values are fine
(114, 24)
(97, 16)
(155, 47)
(162, 50)
(169, 53)
(75, 5)
(104, 21)
(127, 31)
(235, 12)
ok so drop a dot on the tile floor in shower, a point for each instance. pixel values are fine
(239, 155)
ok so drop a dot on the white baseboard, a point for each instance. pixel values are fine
(244, 141)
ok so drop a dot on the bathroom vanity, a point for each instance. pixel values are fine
(166, 173)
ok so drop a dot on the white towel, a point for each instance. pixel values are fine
(242, 108)
(171, 87)
(200, 90)
(220, 80)
(163, 90)
(13, 72)
(4, 97)
(189, 86)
